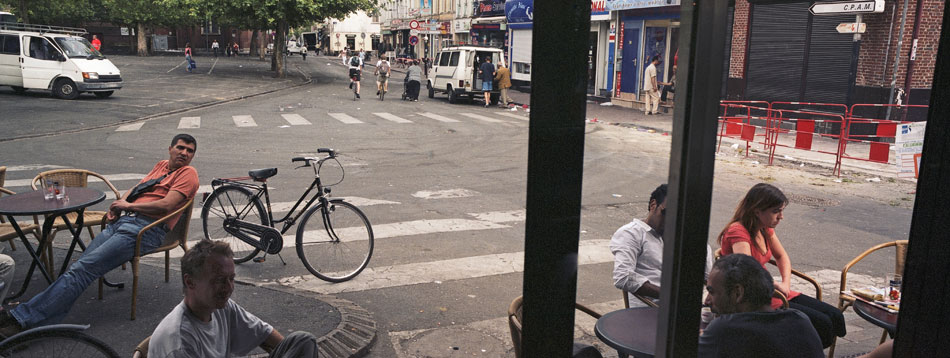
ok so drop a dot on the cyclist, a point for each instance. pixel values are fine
(355, 64)
(383, 70)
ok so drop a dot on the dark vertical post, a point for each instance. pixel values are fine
(912, 58)
(855, 54)
(555, 170)
(692, 162)
(922, 324)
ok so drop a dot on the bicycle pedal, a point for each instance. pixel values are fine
(260, 259)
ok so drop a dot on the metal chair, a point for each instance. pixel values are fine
(514, 321)
(795, 272)
(177, 237)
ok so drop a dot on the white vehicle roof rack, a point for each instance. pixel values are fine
(43, 29)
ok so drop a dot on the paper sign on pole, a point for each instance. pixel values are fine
(852, 28)
(909, 145)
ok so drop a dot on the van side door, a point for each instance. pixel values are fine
(40, 62)
(10, 60)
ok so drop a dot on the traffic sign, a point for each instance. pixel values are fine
(413, 32)
(413, 40)
(413, 24)
(851, 28)
(847, 7)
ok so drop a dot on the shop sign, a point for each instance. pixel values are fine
(519, 11)
(462, 25)
(598, 7)
(615, 5)
(490, 8)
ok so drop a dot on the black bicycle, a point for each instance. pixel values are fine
(334, 239)
(58, 340)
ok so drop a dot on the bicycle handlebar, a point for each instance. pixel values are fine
(331, 154)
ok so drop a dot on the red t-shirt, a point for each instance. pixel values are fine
(184, 180)
(737, 233)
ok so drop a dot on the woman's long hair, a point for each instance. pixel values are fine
(761, 197)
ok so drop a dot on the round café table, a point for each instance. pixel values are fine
(630, 331)
(33, 203)
(878, 316)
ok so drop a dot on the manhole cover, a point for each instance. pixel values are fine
(811, 201)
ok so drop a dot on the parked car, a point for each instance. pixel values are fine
(455, 72)
(54, 58)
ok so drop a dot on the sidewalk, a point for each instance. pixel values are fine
(342, 328)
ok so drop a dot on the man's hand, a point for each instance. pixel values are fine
(119, 206)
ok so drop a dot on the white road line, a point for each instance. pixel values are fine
(345, 118)
(296, 120)
(437, 117)
(392, 117)
(111, 177)
(212, 65)
(189, 122)
(501, 216)
(244, 121)
(33, 167)
(512, 115)
(284, 206)
(481, 117)
(130, 127)
(589, 252)
(173, 68)
(444, 194)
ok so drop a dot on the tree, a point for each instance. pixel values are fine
(54, 12)
(146, 13)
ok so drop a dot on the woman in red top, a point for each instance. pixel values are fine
(752, 232)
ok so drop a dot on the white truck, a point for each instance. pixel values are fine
(54, 58)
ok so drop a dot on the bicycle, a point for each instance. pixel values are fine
(58, 340)
(342, 245)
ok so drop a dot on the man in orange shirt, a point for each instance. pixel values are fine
(96, 43)
(168, 187)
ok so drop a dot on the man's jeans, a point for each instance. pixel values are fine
(112, 247)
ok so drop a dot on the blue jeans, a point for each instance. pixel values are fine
(112, 247)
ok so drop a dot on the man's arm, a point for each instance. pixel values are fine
(272, 340)
(157, 208)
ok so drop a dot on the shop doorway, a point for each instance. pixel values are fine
(629, 75)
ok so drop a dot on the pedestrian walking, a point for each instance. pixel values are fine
(235, 48)
(487, 72)
(227, 50)
(414, 77)
(651, 95)
(190, 62)
(503, 76)
(215, 47)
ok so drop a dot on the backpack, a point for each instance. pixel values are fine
(384, 67)
(354, 61)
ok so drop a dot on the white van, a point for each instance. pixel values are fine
(54, 58)
(455, 72)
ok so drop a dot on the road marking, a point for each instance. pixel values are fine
(444, 194)
(512, 115)
(345, 118)
(437, 117)
(179, 65)
(33, 167)
(296, 120)
(392, 117)
(212, 65)
(501, 216)
(486, 119)
(244, 121)
(589, 252)
(284, 206)
(189, 122)
(130, 127)
(92, 179)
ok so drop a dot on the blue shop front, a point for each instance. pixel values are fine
(644, 29)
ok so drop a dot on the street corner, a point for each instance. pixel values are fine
(454, 341)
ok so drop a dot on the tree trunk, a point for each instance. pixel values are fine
(262, 45)
(255, 48)
(141, 45)
(23, 12)
(280, 43)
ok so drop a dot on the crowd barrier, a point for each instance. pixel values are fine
(796, 124)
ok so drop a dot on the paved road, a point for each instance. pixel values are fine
(444, 186)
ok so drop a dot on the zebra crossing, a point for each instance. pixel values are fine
(248, 121)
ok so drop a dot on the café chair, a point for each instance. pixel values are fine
(3, 220)
(795, 272)
(514, 324)
(9, 234)
(846, 299)
(646, 300)
(177, 237)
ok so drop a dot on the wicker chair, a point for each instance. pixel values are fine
(9, 234)
(3, 221)
(514, 321)
(177, 237)
(846, 299)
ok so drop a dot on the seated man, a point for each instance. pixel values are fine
(169, 185)
(207, 323)
(638, 251)
(740, 290)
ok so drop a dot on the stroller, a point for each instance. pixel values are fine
(405, 88)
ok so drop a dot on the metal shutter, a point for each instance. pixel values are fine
(829, 61)
(776, 51)
(520, 54)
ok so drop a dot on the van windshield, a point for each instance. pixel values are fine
(78, 47)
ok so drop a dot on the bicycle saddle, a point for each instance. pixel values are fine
(261, 174)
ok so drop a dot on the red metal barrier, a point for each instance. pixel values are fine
(804, 132)
(736, 121)
(879, 139)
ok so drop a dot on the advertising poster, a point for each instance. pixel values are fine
(909, 144)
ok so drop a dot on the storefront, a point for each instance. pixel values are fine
(489, 26)
(461, 29)
(644, 29)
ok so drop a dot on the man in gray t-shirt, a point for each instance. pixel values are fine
(207, 323)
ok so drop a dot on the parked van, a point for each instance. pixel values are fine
(54, 58)
(455, 72)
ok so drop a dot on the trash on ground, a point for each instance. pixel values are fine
(607, 104)
(284, 126)
(755, 162)
(837, 180)
(873, 180)
(617, 195)
(789, 158)
(735, 146)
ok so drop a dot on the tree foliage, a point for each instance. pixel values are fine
(58, 12)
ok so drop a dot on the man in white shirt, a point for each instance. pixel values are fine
(214, 47)
(355, 65)
(650, 89)
(207, 323)
(638, 252)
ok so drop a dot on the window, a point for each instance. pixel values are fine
(455, 59)
(41, 49)
(210, 28)
(10, 44)
(444, 61)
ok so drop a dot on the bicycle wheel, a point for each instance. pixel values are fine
(336, 249)
(232, 201)
(56, 343)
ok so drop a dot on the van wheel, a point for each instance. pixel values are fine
(18, 89)
(431, 91)
(453, 97)
(65, 89)
(105, 94)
